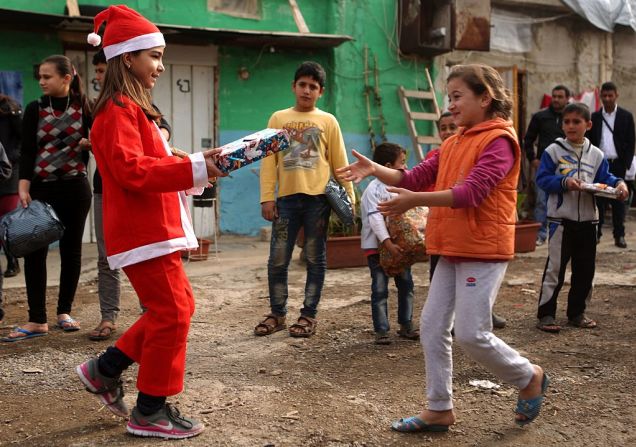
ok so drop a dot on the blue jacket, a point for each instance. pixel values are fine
(560, 161)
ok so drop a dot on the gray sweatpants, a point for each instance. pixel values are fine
(108, 282)
(465, 292)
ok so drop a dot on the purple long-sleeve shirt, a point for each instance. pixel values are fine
(492, 165)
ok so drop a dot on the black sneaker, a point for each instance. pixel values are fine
(166, 423)
(12, 270)
(620, 242)
(498, 322)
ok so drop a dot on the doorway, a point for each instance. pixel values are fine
(185, 95)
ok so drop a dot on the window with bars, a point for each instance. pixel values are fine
(250, 9)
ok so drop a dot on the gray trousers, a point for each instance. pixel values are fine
(108, 282)
(465, 292)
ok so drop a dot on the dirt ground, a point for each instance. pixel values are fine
(337, 388)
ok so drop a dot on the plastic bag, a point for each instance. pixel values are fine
(339, 201)
(25, 230)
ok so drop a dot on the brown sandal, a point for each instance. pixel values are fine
(548, 324)
(409, 333)
(305, 327)
(265, 327)
(103, 331)
(581, 321)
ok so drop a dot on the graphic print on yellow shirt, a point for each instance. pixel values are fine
(316, 151)
(305, 148)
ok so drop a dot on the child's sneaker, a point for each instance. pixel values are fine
(165, 423)
(109, 390)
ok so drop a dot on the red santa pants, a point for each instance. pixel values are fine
(157, 341)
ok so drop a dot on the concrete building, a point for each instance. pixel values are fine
(564, 49)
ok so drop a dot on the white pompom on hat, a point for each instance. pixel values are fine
(126, 31)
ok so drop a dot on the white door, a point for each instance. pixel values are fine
(185, 95)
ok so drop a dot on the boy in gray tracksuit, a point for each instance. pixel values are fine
(572, 217)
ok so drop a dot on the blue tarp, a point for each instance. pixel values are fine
(11, 85)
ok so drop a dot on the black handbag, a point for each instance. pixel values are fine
(339, 201)
(25, 230)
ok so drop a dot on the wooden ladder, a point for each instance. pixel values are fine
(411, 117)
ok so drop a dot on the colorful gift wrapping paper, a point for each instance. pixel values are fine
(252, 148)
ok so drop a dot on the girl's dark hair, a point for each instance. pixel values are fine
(387, 153)
(99, 57)
(579, 108)
(482, 78)
(442, 116)
(312, 69)
(9, 106)
(64, 66)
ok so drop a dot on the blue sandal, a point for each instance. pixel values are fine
(530, 408)
(414, 424)
(62, 324)
(27, 334)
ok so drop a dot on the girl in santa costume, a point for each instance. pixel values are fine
(146, 225)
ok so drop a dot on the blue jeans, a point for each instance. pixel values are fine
(312, 214)
(540, 211)
(380, 295)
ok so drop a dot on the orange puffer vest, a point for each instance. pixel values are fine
(485, 232)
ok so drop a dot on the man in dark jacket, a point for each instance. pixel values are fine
(613, 132)
(546, 126)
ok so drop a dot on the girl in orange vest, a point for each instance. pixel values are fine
(471, 226)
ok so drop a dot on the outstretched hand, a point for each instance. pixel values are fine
(402, 202)
(356, 171)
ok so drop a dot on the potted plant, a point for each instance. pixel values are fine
(343, 241)
(526, 230)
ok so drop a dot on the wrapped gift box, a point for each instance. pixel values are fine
(252, 148)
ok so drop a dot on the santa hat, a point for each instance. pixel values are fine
(126, 31)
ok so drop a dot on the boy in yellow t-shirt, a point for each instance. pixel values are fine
(293, 196)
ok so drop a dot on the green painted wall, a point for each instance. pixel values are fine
(24, 51)
(275, 14)
(248, 104)
(371, 23)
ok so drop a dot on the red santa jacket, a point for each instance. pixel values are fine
(145, 211)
